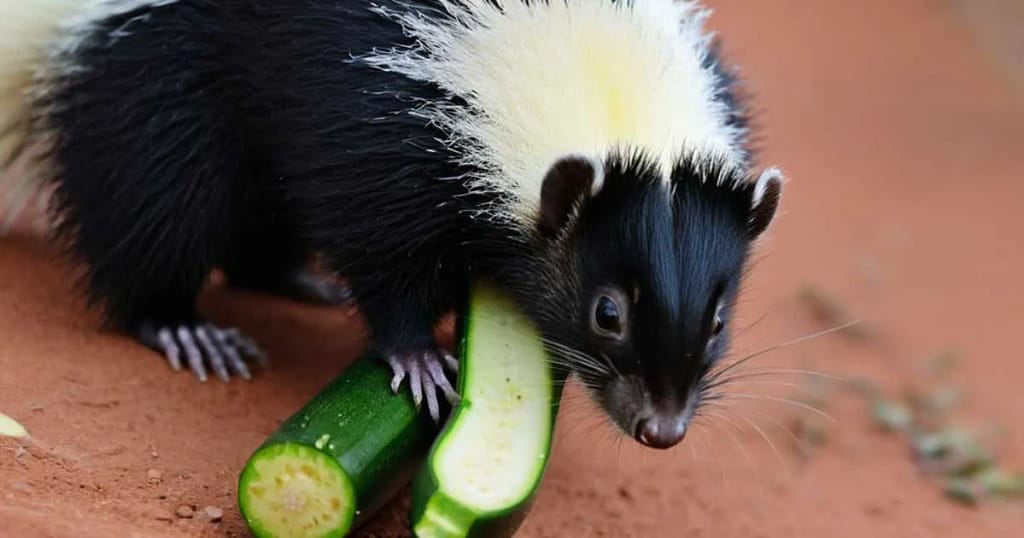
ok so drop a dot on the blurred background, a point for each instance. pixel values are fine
(900, 125)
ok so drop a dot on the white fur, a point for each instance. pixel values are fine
(564, 77)
(27, 28)
(37, 39)
(769, 175)
(598, 181)
(33, 33)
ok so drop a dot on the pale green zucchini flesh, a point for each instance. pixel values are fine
(486, 465)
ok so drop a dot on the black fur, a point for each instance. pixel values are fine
(238, 133)
(676, 252)
(564, 187)
(731, 91)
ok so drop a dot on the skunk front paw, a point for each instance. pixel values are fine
(425, 370)
(202, 344)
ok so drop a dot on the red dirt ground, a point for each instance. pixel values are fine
(901, 137)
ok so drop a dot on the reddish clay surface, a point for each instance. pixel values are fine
(902, 138)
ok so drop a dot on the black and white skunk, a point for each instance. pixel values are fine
(590, 156)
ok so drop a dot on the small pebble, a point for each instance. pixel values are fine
(154, 474)
(874, 510)
(214, 513)
(625, 493)
(162, 514)
(184, 511)
(21, 487)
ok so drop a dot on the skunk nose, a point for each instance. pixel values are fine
(661, 432)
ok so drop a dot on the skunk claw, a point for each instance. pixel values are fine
(195, 358)
(202, 345)
(451, 361)
(426, 375)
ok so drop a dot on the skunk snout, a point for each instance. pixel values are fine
(653, 420)
(662, 431)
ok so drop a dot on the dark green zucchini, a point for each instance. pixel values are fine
(336, 460)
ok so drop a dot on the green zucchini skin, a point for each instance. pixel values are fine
(377, 438)
(429, 500)
(427, 496)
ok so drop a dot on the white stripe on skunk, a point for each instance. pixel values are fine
(33, 35)
(35, 39)
(542, 79)
(546, 79)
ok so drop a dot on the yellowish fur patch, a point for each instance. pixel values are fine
(564, 77)
(35, 39)
(32, 33)
(27, 28)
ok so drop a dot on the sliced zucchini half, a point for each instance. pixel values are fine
(484, 469)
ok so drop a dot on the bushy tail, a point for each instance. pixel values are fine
(28, 31)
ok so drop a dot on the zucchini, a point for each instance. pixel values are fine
(484, 469)
(337, 460)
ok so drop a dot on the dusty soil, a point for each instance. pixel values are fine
(901, 136)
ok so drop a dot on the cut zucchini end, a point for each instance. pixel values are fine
(507, 392)
(485, 467)
(295, 490)
(443, 518)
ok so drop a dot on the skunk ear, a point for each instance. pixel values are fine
(764, 201)
(569, 180)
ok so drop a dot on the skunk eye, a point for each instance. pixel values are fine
(716, 329)
(607, 317)
(607, 314)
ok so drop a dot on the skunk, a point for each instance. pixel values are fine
(591, 157)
